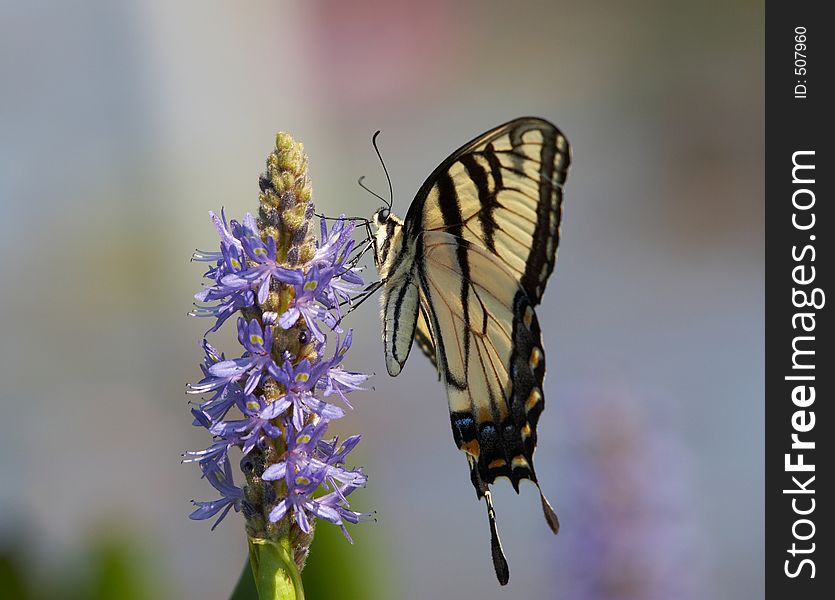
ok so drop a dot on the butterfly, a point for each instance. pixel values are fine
(461, 275)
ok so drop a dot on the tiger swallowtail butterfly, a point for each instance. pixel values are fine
(461, 274)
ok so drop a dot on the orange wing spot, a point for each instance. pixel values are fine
(519, 462)
(472, 448)
(497, 463)
(526, 431)
(527, 318)
(483, 414)
(536, 356)
(533, 399)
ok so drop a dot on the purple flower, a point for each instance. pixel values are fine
(230, 260)
(310, 290)
(272, 401)
(303, 473)
(229, 303)
(334, 251)
(211, 457)
(307, 450)
(262, 270)
(253, 364)
(300, 381)
(337, 242)
(231, 495)
(225, 393)
(336, 380)
(259, 415)
(229, 257)
(244, 270)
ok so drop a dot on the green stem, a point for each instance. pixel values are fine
(274, 570)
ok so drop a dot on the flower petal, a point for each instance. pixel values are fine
(275, 472)
(289, 318)
(278, 511)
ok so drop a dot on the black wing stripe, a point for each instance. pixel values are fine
(516, 140)
(390, 226)
(451, 211)
(396, 327)
(425, 340)
(539, 261)
(488, 201)
(440, 345)
(495, 166)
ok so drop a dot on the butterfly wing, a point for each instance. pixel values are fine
(400, 314)
(503, 192)
(487, 220)
(423, 337)
(489, 354)
(486, 226)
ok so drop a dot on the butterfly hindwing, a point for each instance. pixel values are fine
(400, 314)
(423, 337)
(491, 358)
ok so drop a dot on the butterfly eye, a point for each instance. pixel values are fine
(382, 216)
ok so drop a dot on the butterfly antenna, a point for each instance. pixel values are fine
(385, 170)
(369, 190)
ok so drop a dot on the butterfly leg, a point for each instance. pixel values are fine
(363, 296)
(359, 253)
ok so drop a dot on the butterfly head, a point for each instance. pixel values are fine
(381, 216)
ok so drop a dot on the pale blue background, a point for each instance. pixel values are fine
(124, 123)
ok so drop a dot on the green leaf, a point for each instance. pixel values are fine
(245, 589)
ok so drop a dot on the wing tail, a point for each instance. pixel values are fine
(548, 511)
(483, 491)
(499, 560)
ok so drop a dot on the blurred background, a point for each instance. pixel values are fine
(123, 123)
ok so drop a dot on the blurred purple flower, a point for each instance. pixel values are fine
(634, 536)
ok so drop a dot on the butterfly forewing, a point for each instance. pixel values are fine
(503, 192)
